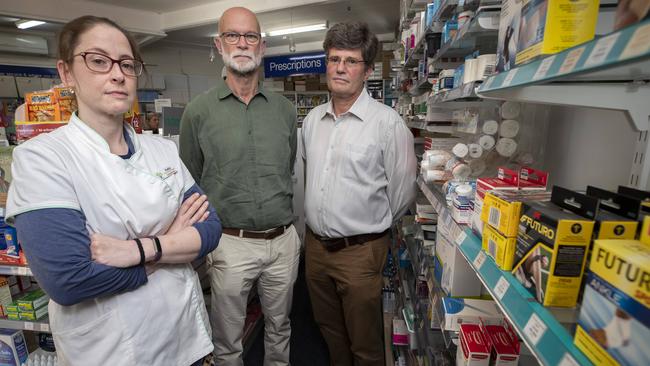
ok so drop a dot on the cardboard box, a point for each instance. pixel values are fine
(12, 347)
(645, 231)
(452, 271)
(614, 323)
(502, 209)
(617, 215)
(462, 311)
(508, 34)
(5, 296)
(13, 315)
(499, 247)
(552, 246)
(550, 26)
(12, 308)
(506, 179)
(400, 333)
(503, 344)
(33, 315)
(33, 300)
(473, 348)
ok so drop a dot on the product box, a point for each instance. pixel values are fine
(617, 215)
(400, 333)
(499, 247)
(5, 296)
(645, 231)
(614, 323)
(13, 315)
(33, 315)
(462, 311)
(503, 344)
(33, 300)
(13, 349)
(67, 103)
(508, 34)
(643, 196)
(12, 308)
(550, 26)
(41, 107)
(452, 271)
(631, 11)
(506, 179)
(472, 347)
(502, 209)
(552, 246)
(532, 179)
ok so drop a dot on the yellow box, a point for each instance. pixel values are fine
(616, 228)
(499, 247)
(645, 231)
(614, 323)
(550, 26)
(551, 252)
(503, 215)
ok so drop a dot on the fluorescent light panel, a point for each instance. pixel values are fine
(302, 29)
(24, 24)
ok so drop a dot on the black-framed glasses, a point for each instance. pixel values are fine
(348, 61)
(251, 38)
(99, 62)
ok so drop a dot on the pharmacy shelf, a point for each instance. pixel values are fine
(420, 87)
(479, 34)
(15, 270)
(413, 59)
(610, 72)
(41, 325)
(445, 10)
(547, 339)
(464, 92)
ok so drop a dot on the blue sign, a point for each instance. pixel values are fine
(305, 63)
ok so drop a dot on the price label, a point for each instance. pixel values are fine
(638, 44)
(571, 60)
(479, 260)
(501, 287)
(45, 327)
(601, 49)
(511, 75)
(28, 326)
(543, 68)
(467, 90)
(535, 329)
(568, 360)
(461, 238)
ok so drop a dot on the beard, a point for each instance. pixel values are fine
(246, 68)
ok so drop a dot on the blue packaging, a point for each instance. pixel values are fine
(458, 76)
(13, 349)
(449, 30)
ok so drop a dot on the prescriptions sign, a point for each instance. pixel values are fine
(305, 63)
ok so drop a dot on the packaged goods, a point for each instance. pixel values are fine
(5, 296)
(452, 271)
(550, 26)
(503, 344)
(67, 103)
(33, 315)
(462, 311)
(41, 106)
(13, 349)
(645, 231)
(472, 347)
(32, 300)
(508, 34)
(552, 245)
(502, 209)
(614, 323)
(617, 214)
(499, 247)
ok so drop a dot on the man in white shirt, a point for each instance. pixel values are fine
(360, 178)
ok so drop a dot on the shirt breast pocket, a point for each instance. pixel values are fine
(359, 161)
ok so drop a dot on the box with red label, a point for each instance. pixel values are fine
(503, 343)
(473, 348)
(506, 180)
(400, 333)
(532, 179)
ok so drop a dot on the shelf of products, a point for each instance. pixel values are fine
(15, 270)
(41, 325)
(607, 73)
(541, 332)
(446, 10)
(479, 34)
(465, 92)
(420, 87)
(412, 59)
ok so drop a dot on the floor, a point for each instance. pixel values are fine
(307, 345)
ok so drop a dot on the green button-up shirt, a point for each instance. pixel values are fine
(242, 155)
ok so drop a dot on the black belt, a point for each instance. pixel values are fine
(268, 235)
(336, 244)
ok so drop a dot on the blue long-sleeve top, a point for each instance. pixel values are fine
(57, 246)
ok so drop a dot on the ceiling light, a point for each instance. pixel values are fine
(26, 23)
(302, 29)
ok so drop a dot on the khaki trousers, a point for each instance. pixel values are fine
(233, 268)
(345, 290)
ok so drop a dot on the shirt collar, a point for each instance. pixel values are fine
(97, 141)
(223, 90)
(359, 109)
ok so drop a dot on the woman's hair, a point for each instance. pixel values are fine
(352, 36)
(69, 36)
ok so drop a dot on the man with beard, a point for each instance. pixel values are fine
(239, 143)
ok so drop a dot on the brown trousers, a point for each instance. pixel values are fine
(345, 291)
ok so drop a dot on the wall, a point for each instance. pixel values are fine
(589, 146)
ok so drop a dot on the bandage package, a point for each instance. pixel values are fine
(503, 343)
(614, 323)
(472, 347)
(552, 246)
(550, 26)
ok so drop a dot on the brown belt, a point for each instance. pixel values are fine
(268, 235)
(336, 244)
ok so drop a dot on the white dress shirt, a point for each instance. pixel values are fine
(360, 168)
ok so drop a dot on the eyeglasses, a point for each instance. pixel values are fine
(101, 63)
(251, 38)
(348, 62)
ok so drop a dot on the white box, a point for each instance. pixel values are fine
(452, 271)
(12, 347)
(461, 311)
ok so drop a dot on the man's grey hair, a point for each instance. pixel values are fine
(353, 36)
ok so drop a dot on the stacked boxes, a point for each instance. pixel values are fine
(452, 271)
(552, 246)
(472, 347)
(614, 323)
(617, 214)
(32, 306)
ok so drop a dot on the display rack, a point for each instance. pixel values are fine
(547, 339)
(306, 101)
(8, 270)
(465, 92)
(41, 325)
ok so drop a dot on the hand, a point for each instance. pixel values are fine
(193, 210)
(114, 252)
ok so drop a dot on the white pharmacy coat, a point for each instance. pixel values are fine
(163, 322)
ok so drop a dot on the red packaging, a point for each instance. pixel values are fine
(473, 348)
(503, 343)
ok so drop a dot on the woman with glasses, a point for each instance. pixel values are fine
(109, 220)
